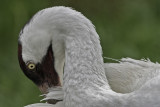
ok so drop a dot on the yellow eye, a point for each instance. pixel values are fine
(31, 66)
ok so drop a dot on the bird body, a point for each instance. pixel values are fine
(70, 39)
(129, 75)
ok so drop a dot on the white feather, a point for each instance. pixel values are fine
(54, 93)
(129, 74)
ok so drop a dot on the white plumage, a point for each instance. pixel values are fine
(76, 43)
(129, 75)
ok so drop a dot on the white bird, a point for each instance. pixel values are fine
(61, 35)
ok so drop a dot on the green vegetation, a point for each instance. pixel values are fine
(126, 28)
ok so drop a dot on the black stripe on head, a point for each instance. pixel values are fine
(44, 73)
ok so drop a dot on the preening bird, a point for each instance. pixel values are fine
(60, 47)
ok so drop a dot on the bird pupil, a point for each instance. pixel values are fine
(31, 66)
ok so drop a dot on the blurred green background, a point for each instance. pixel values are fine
(126, 28)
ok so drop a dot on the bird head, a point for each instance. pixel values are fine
(45, 41)
(41, 58)
(43, 73)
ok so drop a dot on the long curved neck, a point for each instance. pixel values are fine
(75, 41)
(83, 60)
(83, 70)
